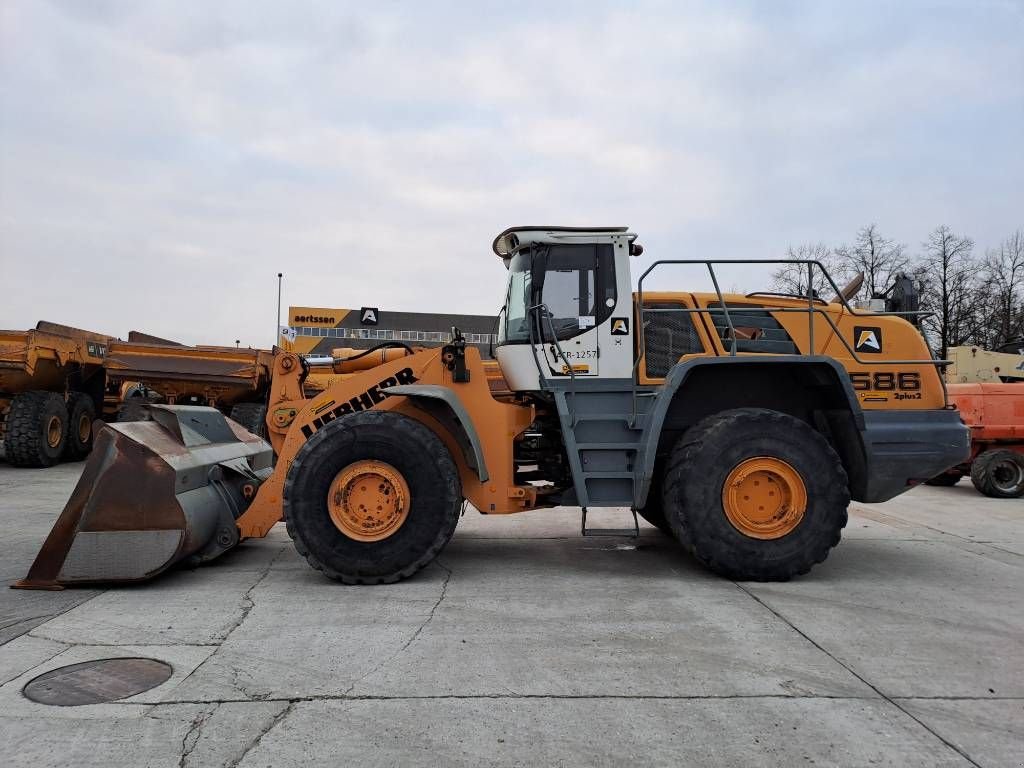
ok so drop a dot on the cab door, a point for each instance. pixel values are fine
(578, 292)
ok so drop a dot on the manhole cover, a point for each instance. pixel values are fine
(96, 682)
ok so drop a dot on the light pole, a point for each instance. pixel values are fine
(277, 327)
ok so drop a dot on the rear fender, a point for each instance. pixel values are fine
(673, 394)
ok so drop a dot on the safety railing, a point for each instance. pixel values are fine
(814, 307)
(536, 313)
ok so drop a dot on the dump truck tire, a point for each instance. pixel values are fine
(999, 474)
(252, 416)
(37, 429)
(945, 480)
(81, 414)
(402, 458)
(133, 410)
(722, 469)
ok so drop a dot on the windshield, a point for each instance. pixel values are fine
(579, 292)
(513, 326)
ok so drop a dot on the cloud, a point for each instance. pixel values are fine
(161, 162)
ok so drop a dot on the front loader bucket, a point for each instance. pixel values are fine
(152, 494)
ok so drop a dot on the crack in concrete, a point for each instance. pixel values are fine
(194, 733)
(891, 700)
(16, 622)
(56, 615)
(246, 610)
(278, 718)
(248, 601)
(73, 644)
(959, 542)
(36, 666)
(540, 697)
(415, 635)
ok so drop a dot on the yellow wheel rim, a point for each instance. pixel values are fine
(764, 498)
(368, 500)
(84, 425)
(54, 431)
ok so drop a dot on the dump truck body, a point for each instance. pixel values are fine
(201, 375)
(51, 388)
(741, 425)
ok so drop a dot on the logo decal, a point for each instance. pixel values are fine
(316, 319)
(368, 315)
(867, 339)
(620, 326)
(361, 402)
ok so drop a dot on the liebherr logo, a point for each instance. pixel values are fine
(361, 402)
(867, 339)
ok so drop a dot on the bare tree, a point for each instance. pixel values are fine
(793, 278)
(879, 258)
(1002, 294)
(946, 276)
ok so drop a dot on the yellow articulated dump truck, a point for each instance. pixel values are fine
(51, 389)
(742, 425)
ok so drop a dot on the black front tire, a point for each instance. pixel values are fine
(427, 467)
(37, 429)
(252, 416)
(695, 476)
(999, 474)
(81, 415)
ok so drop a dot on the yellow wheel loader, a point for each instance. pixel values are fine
(742, 425)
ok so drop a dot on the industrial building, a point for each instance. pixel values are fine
(318, 330)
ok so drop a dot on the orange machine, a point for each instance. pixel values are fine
(742, 425)
(995, 415)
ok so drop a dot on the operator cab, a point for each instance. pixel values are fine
(568, 310)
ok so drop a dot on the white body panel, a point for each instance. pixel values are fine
(605, 351)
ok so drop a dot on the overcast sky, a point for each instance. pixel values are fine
(160, 162)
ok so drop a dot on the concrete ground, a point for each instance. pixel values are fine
(527, 645)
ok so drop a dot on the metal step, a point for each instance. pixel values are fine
(632, 533)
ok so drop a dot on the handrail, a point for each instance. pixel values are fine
(832, 325)
(536, 308)
(810, 310)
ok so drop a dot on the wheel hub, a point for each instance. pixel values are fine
(764, 498)
(368, 500)
(1007, 475)
(84, 426)
(54, 431)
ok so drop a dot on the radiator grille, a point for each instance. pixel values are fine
(667, 337)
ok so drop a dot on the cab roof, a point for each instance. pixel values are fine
(514, 238)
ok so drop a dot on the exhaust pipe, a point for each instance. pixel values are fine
(153, 494)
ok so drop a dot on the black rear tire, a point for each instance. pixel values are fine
(654, 510)
(696, 473)
(435, 493)
(252, 416)
(999, 474)
(81, 415)
(945, 480)
(37, 429)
